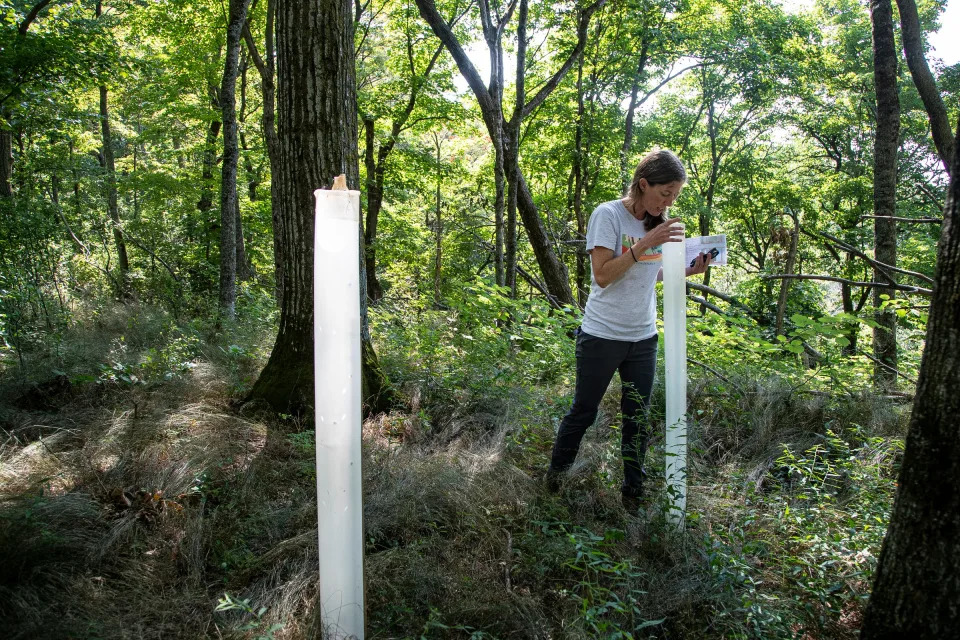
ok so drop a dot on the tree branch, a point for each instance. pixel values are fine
(880, 266)
(27, 21)
(915, 220)
(720, 294)
(923, 79)
(552, 83)
(428, 11)
(881, 285)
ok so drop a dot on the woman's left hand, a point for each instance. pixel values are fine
(700, 265)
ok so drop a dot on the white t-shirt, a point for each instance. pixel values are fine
(625, 309)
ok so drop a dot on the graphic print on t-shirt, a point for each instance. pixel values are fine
(654, 253)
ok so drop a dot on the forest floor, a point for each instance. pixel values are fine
(140, 499)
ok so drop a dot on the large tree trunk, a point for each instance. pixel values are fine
(885, 182)
(231, 152)
(916, 591)
(316, 141)
(926, 85)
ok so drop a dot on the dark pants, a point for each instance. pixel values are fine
(597, 359)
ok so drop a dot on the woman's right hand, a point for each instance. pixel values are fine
(671, 230)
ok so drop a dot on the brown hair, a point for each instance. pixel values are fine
(660, 166)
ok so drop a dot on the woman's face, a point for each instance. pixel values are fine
(655, 199)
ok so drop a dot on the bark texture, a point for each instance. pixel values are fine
(316, 141)
(916, 591)
(885, 182)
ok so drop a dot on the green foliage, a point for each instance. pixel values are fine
(814, 533)
(609, 587)
(256, 625)
(484, 342)
(304, 445)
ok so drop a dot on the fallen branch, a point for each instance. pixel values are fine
(141, 246)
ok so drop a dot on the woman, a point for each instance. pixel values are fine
(619, 329)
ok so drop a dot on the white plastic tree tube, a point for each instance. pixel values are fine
(675, 373)
(336, 278)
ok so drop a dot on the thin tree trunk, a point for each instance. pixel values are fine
(499, 206)
(111, 175)
(229, 207)
(245, 269)
(253, 174)
(554, 272)
(885, 183)
(489, 99)
(266, 65)
(706, 213)
(926, 85)
(374, 203)
(438, 229)
(583, 290)
(626, 175)
(112, 206)
(511, 148)
(6, 162)
(788, 269)
(511, 171)
(916, 590)
(375, 163)
(209, 160)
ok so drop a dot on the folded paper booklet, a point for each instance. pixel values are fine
(715, 246)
